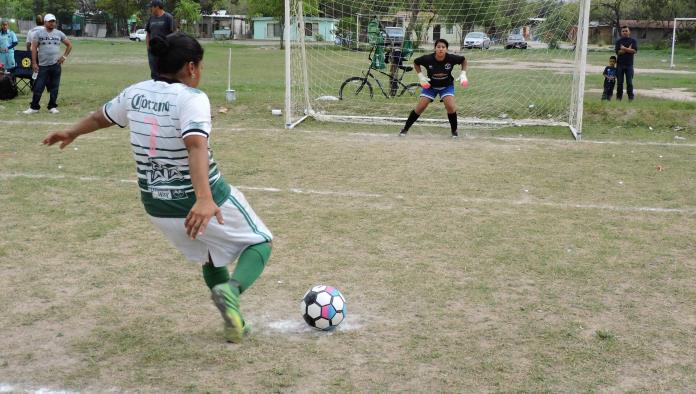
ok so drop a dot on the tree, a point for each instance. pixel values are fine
(272, 8)
(120, 11)
(189, 13)
(612, 11)
(20, 9)
(559, 18)
(276, 10)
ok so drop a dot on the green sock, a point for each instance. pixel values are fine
(251, 264)
(215, 275)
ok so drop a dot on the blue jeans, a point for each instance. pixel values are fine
(49, 78)
(152, 61)
(622, 71)
(608, 89)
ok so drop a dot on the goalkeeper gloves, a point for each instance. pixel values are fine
(424, 81)
(463, 81)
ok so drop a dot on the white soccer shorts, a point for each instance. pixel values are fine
(225, 243)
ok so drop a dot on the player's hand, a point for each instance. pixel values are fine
(424, 81)
(199, 216)
(463, 80)
(64, 137)
(35, 67)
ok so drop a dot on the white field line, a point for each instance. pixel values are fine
(7, 388)
(542, 141)
(354, 194)
(362, 134)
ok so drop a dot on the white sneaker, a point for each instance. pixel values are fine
(53, 110)
(30, 111)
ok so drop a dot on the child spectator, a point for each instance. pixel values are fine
(609, 79)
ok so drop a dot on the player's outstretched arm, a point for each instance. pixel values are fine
(93, 122)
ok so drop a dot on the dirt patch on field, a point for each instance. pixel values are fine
(560, 66)
(677, 94)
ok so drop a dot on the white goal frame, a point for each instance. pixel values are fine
(674, 38)
(574, 122)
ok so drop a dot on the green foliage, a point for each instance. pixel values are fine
(189, 11)
(16, 8)
(560, 17)
(272, 8)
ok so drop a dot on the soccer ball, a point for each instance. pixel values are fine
(323, 307)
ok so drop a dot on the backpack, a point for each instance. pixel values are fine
(8, 88)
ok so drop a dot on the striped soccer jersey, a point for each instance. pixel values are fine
(160, 115)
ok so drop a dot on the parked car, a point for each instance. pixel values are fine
(477, 40)
(515, 41)
(138, 35)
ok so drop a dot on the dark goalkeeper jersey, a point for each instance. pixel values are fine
(609, 71)
(440, 73)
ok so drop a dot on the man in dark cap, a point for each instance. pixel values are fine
(160, 24)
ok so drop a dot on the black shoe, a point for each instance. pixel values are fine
(455, 134)
(403, 133)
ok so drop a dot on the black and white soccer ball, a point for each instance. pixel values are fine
(323, 307)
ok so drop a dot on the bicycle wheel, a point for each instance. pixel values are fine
(411, 90)
(352, 87)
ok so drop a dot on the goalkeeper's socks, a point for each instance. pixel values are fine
(251, 264)
(412, 117)
(453, 122)
(214, 275)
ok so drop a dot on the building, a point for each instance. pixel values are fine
(237, 25)
(315, 29)
(641, 30)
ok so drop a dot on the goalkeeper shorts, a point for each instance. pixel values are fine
(224, 242)
(432, 92)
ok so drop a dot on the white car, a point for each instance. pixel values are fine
(477, 40)
(138, 35)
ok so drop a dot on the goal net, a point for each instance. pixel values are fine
(351, 60)
(683, 36)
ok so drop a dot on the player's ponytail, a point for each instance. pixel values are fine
(175, 50)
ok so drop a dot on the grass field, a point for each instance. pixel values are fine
(514, 260)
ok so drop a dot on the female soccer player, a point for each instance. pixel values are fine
(180, 184)
(439, 66)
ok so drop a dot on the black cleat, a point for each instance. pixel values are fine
(403, 133)
(455, 134)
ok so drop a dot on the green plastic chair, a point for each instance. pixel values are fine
(375, 37)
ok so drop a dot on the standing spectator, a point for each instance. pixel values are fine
(47, 62)
(33, 30)
(625, 48)
(8, 40)
(609, 79)
(160, 24)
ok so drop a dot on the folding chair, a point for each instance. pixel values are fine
(23, 71)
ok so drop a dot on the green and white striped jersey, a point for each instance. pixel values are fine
(160, 115)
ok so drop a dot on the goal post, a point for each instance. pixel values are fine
(687, 22)
(352, 60)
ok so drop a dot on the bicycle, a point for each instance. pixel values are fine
(353, 86)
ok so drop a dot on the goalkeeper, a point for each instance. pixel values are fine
(439, 81)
